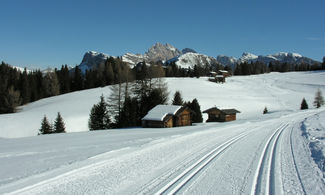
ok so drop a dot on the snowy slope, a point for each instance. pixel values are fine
(248, 94)
(278, 153)
(240, 157)
(189, 60)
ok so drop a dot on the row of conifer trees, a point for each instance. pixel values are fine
(21, 87)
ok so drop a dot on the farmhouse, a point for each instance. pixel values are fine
(163, 116)
(224, 115)
(219, 76)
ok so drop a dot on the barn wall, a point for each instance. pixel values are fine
(183, 119)
(169, 123)
(231, 117)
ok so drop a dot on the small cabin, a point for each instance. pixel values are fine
(166, 116)
(219, 76)
(224, 73)
(221, 115)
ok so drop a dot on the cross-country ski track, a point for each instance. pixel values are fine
(281, 152)
(246, 158)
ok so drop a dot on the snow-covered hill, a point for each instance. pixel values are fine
(278, 153)
(280, 92)
(189, 60)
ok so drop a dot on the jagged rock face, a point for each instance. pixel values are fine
(227, 61)
(188, 50)
(188, 58)
(160, 52)
(134, 59)
(92, 59)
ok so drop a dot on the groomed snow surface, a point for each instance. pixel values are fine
(278, 153)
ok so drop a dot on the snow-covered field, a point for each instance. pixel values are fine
(278, 153)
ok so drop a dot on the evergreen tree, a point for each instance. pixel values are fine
(196, 71)
(178, 100)
(265, 110)
(50, 85)
(9, 100)
(78, 80)
(129, 113)
(46, 127)
(304, 104)
(25, 88)
(99, 118)
(196, 114)
(319, 99)
(108, 72)
(323, 64)
(59, 126)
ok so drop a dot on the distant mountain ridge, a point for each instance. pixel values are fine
(188, 57)
(282, 57)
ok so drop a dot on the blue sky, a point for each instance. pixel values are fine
(45, 33)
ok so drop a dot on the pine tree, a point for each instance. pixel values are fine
(25, 88)
(178, 100)
(78, 80)
(304, 104)
(265, 110)
(319, 99)
(59, 126)
(50, 85)
(46, 127)
(99, 118)
(196, 71)
(196, 114)
(129, 113)
(9, 100)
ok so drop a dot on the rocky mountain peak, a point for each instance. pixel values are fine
(162, 52)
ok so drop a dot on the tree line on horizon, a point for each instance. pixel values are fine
(22, 87)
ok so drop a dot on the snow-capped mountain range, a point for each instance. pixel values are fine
(281, 57)
(188, 58)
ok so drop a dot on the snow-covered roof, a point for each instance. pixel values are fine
(223, 71)
(159, 112)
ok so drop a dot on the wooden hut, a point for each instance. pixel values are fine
(224, 73)
(163, 116)
(224, 115)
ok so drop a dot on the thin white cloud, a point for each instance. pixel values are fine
(315, 38)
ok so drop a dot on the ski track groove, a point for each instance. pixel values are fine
(295, 163)
(273, 162)
(182, 179)
(257, 182)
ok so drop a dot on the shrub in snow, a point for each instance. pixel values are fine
(319, 99)
(265, 110)
(46, 127)
(304, 104)
(59, 126)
